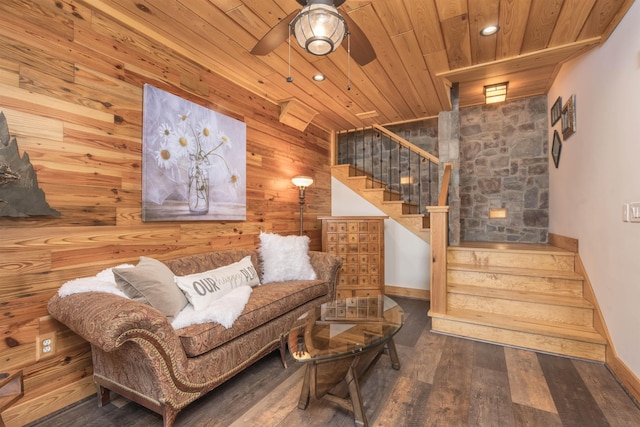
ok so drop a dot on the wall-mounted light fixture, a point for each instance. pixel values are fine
(495, 93)
(406, 180)
(497, 213)
(302, 182)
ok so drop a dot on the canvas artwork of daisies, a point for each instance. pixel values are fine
(193, 161)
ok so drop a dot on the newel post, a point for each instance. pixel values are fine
(439, 218)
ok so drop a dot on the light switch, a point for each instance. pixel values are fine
(634, 212)
(625, 212)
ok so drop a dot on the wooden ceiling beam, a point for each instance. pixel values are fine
(538, 59)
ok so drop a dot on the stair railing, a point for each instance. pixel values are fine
(392, 161)
(439, 218)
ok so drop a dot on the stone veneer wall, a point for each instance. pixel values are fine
(504, 163)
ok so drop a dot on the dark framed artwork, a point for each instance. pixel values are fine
(556, 148)
(569, 118)
(193, 161)
(556, 111)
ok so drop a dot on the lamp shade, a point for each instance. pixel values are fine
(319, 28)
(302, 181)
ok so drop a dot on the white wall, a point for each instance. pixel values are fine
(406, 256)
(599, 170)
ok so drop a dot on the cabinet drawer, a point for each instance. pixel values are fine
(367, 292)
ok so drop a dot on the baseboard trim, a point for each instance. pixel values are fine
(625, 376)
(421, 294)
(563, 242)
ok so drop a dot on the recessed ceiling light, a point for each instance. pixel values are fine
(319, 77)
(489, 30)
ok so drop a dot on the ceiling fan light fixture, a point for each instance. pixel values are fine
(319, 28)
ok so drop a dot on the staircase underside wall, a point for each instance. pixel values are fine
(406, 255)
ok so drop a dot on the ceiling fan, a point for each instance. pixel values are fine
(319, 28)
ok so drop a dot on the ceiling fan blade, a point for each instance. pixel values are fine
(275, 36)
(361, 50)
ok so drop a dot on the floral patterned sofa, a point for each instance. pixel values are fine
(138, 354)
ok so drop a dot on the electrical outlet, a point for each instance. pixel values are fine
(45, 345)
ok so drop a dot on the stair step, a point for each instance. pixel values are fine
(526, 296)
(386, 194)
(404, 208)
(543, 257)
(521, 279)
(567, 340)
(422, 220)
(581, 316)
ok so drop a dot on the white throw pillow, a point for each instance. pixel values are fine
(285, 258)
(203, 288)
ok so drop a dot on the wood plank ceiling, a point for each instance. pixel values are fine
(422, 47)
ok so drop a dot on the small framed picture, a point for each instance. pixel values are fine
(556, 148)
(569, 118)
(556, 111)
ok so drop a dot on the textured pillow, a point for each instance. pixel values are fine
(285, 258)
(151, 282)
(202, 289)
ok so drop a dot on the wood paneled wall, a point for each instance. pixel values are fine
(71, 88)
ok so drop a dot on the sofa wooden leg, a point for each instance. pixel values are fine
(283, 350)
(168, 416)
(104, 396)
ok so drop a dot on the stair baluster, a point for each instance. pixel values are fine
(398, 173)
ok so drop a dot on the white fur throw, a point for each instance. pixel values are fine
(285, 258)
(224, 310)
(101, 282)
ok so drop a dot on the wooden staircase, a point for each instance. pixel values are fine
(388, 201)
(522, 295)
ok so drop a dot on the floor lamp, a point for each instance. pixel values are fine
(302, 182)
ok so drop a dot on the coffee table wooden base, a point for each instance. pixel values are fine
(337, 380)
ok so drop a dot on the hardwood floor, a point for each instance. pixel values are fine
(443, 381)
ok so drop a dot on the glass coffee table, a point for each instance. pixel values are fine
(338, 342)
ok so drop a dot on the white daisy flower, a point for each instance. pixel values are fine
(203, 130)
(164, 157)
(234, 178)
(184, 144)
(224, 140)
(165, 131)
(183, 117)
